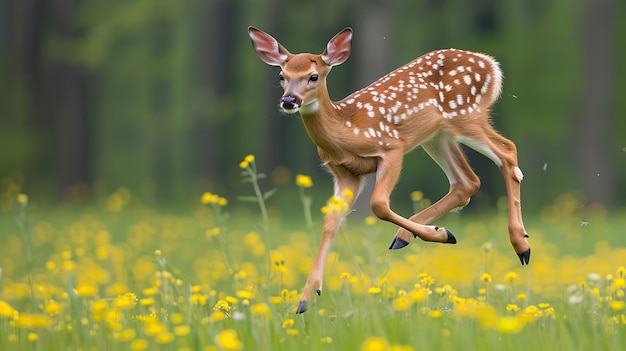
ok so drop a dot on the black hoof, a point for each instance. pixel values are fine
(301, 307)
(524, 257)
(398, 243)
(451, 238)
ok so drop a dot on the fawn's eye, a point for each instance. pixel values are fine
(281, 77)
(314, 78)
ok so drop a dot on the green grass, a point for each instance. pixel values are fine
(122, 276)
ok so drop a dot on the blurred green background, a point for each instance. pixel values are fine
(166, 97)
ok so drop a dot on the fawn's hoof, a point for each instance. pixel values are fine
(302, 307)
(451, 238)
(524, 257)
(398, 243)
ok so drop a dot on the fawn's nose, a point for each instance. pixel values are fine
(290, 102)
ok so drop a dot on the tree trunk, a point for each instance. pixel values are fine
(593, 142)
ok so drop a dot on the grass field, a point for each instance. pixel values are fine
(121, 276)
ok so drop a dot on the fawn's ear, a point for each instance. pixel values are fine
(338, 48)
(269, 49)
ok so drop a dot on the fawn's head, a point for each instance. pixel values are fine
(301, 74)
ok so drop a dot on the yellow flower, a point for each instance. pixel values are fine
(32, 321)
(374, 290)
(370, 220)
(249, 158)
(243, 294)
(375, 343)
(485, 278)
(435, 314)
(617, 305)
(182, 330)
(288, 323)
(86, 290)
(165, 338)
(150, 291)
(512, 307)
(231, 300)
(6, 311)
(619, 283)
(125, 301)
(198, 299)
(217, 316)
(206, 198)
(127, 334)
(510, 277)
(222, 201)
(32, 337)
(417, 196)
(243, 165)
(326, 340)
(303, 181)
(22, 199)
(401, 304)
(260, 309)
(213, 232)
(292, 332)
(521, 296)
(227, 340)
(509, 325)
(52, 307)
(139, 345)
(147, 301)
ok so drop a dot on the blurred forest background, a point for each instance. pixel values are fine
(166, 97)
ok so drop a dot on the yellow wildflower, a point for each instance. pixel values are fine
(165, 338)
(139, 345)
(374, 290)
(6, 311)
(288, 323)
(260, 309)
(375, 343)
(146, 302)
(227, 340)
(370, 220)
(617, 305)
(249, 158)
(52, 307)
(32, 337)
(485, 278)
(22, 199)
(86, 290)
(127, 335)
(32, 321)
(292, 332)
(417, 196)
(303, 181)
(435, 314)
(401, 304)
(509, 325)
(243, 294)
(182, 330)
(512, 307)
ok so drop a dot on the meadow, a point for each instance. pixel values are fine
(120, 275)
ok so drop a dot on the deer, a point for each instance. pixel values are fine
(438, 101)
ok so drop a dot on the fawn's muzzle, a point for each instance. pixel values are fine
(290, 103)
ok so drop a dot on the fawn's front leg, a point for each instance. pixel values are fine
(347, 187)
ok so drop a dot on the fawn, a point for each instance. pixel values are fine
(437, 101)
